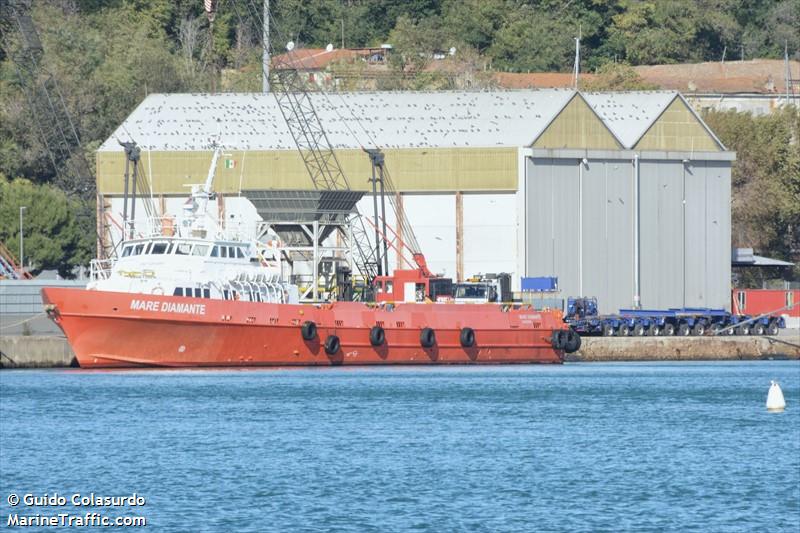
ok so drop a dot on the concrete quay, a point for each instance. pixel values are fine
(599, 349)
(42, 351)
(35, 351)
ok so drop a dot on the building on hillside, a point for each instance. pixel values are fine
(622, 196)
(757, 85)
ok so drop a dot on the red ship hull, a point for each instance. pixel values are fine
(114, 330)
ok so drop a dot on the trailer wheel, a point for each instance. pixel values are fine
(758, 329)
(608, 330)
(716, 328)
(772, 328)
(742, 330)
(638, 330)
(669, 329)
(427, 337)
(377, 336)
(624, 330)
(683, 329)
(699, 329)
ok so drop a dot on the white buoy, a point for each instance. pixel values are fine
(775, 401)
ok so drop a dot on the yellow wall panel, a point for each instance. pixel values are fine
(434, 169)
(677, 129)
(577, 126)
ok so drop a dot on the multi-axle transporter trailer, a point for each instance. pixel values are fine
(582, 316)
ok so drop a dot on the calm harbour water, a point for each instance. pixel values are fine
(579, 447)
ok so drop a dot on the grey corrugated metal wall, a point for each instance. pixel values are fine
(684, 247)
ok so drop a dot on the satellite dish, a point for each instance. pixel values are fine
(290, 45)
(453, 51)
(329, 48)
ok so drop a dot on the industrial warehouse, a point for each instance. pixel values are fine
(621, 196)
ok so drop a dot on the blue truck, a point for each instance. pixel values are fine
(582, 316)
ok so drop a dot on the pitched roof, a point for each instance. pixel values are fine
(629, 115)
(253, 121)
(320, 58)
(537, 80)
(765, 76)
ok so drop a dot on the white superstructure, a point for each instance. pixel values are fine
(191, 255)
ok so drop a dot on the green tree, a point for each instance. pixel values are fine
(765, 180)
(54, 236)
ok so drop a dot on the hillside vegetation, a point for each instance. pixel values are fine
(107, 55)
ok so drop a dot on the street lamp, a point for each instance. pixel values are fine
(22, 209)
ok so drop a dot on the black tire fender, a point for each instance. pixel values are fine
(467, 337)
(427, 337)
(559, 339)
(377, 336)
(308, 330)
(573, 343)
(332, 344)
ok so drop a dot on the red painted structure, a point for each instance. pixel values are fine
(756, 302)
(116, 329)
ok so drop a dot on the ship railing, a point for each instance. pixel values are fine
(100, 269)
(270, 291)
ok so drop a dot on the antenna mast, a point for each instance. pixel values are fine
(265, 52)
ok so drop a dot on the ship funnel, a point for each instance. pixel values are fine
(775, 401)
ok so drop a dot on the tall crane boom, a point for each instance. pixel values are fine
(51, 119)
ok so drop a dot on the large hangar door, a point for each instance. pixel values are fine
(662, 235)
(552, 221)
(608, 214)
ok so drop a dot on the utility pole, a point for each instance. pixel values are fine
(788, 74)
(578, 56)
(22, 209)
(265, 57)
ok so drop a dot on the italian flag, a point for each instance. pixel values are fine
(230, 163)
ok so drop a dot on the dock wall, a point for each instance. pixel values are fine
(596, 349)
(35, 351)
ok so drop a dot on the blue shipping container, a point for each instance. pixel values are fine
(539, 284)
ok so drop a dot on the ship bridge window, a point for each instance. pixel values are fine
(158, 248)
(178, 291)
(200, 249)
(223, 251)
(138, 250)
(471, 291)
(240, 253)
(183, 248)
(231, 251)
(215, 251)
(127, 251)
